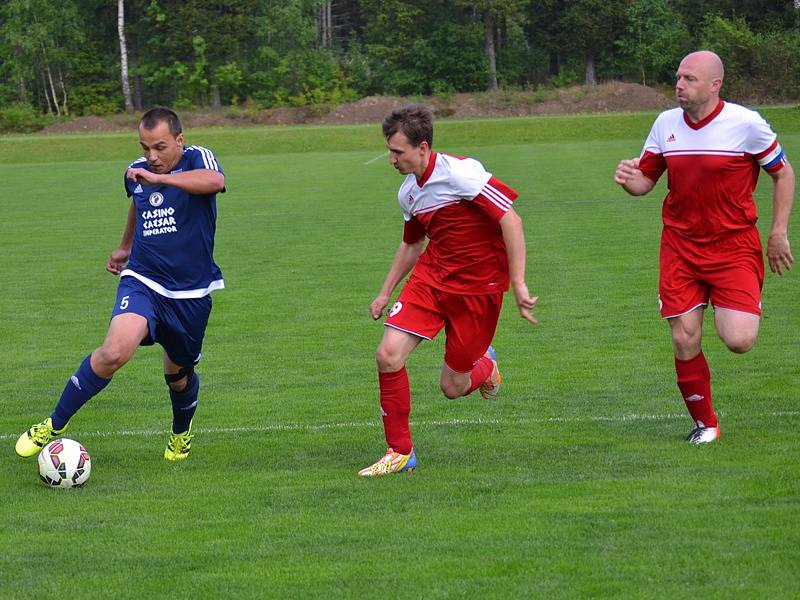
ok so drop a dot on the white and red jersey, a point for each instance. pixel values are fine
(712, 168)
(457, 204)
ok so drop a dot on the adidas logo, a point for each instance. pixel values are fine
(671, 137)
(138, 189)
(75, 382)
(695, 398)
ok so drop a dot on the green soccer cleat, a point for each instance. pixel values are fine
(491, 386)
(32, 441)
(179, 445)
(392, 462)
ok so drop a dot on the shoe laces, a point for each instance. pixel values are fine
(388, 463)
(180, 442)
(42, 433)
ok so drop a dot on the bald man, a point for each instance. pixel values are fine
(710, 248)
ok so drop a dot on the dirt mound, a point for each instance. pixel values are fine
(608, 97)
(371, 109)
(85, 124)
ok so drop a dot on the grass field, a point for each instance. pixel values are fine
(575, 482)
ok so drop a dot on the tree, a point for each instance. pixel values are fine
(46, 36)
(591, 26)
(324, 23)
(180, 46)
(656, 39)
(494, 12)
(123, 53)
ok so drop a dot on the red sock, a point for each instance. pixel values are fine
(694, 381)
(480, 373)
(395, 408)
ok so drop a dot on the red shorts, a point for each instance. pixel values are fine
(469, 321)
(728, 272)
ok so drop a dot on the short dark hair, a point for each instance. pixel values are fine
(161, 114)
(415, 121)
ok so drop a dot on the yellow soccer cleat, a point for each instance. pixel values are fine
(491, 386)
(32, 441)
(179, 445)
(392, 462)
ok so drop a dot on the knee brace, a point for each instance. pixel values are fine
(187, 372)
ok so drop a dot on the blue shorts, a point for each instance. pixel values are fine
(177, 325)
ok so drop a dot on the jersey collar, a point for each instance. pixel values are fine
(707, 120)
(428, 170)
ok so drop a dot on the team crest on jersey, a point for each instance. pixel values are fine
(156, 199)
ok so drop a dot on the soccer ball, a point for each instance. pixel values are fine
(64, 463)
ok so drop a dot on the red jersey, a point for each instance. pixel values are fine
(457, 204)
(712, 168)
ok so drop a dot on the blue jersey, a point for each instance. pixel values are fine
(173, 242)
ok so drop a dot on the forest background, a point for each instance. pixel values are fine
(65, 58)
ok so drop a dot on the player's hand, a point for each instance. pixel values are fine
(117, 261)
(377, 306)
(779, 254)
(525, 302)
(143, 176)
(627, 170)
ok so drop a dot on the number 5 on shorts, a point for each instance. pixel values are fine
(124, 303)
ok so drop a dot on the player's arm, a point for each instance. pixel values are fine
(514, 238)
(404, 260)
(119, 256)
(779, 254)
(631, 178)
(197, 181)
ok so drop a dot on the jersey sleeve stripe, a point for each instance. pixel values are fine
(774, 146)
(496, 197)
(209, 160)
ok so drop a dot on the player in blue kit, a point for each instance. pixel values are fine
(167, 271)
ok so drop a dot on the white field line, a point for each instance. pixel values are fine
(421, 423)
(380, 156)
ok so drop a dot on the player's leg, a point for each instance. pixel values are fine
(683, 297)
(694, 375)
(737, 329)
(181, 329)
(395, 401)
(125, 333)
(470, 362)
(736, 292)
(413, 317)
(687, 333)
(184, 386)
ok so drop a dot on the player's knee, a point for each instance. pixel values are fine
(450, 390)
(111, 357)
(388, 359)
(740, 343)
(180, 381)
(686, 340)
(178, 386)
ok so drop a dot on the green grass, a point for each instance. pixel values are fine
(574, 483)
